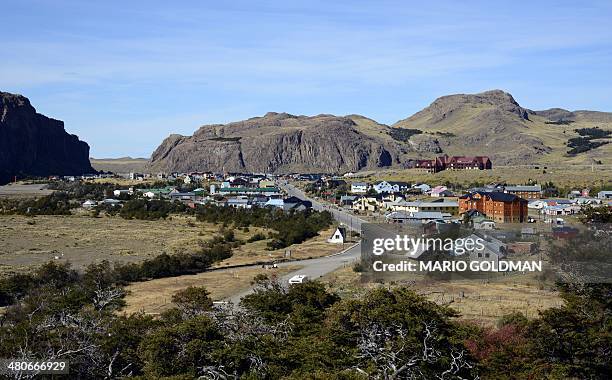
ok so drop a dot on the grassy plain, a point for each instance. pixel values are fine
(155, 296)
(28, 242)
(576, 176)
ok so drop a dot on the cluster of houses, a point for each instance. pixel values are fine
(483, 206)
(244, 191)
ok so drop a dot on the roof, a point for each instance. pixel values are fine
(524, 188)
(428, 204)
(248, 189)
(494, 195)
(359, 184)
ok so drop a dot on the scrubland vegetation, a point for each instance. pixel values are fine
(303, 331)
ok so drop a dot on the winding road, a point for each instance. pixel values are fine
(316, 268)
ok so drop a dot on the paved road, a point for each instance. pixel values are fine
(316, 268)
(351, 221)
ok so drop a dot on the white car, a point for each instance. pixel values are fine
(298, 279)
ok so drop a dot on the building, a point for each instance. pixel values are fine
(440, 191)
(359, 187)
(450, 207)
(248, 190)
(339, 236)
(604, 194)
(455, 163)
(525, 191)
(497, 206)
(417, 217)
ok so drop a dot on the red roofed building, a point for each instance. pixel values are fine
(455, 163)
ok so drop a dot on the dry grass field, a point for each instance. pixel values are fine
(484, 302)
(27, 242)
(119, 165)
(155, 296)
(23, 190)
(567, 176)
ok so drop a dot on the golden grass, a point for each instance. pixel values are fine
(155, 296)
(26, 242)
(257, 252)
(566, 176)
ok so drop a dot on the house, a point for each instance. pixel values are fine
(158, 192)
(89, 204)
(385, 187)
(498, 206)
(366, 203)
(557, 210)
(440, 191)
(111, 202)
(266, 183)
(347, 200)
(401, 186)
(239, 202)
(455, 163)
(359, 187)
(416, 217)
(178, 196)
(339, 236)
(120, 192)
(606, 194)
(422, 187)
(482, 223)
(297, 204)
(494, 249)
(525, 191)
(248, 190)
(440, 205)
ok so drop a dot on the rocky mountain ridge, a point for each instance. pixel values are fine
(32, 144)
(490, 123)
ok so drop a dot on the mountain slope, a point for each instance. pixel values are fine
(492, 123)
(33, 144)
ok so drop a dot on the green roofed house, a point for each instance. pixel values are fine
(249, 190)
(157, 193)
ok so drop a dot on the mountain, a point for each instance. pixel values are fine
(280, 142)
(490, 123)
(33, 144)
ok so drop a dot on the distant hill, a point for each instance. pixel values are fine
(32, 144)
(119, 165)
(492, 123)
(280, 142)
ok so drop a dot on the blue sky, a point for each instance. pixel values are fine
(124, 75)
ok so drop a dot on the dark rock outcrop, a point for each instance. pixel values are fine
(32, 144)
(278, 143)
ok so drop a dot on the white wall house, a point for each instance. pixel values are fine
(386, 187)
(338, 237)
(359, 187)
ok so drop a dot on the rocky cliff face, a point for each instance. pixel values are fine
(33, 144)
(277, 142)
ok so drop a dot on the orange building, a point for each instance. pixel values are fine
(500, 207)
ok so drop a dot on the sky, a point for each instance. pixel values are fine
(123, 75)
